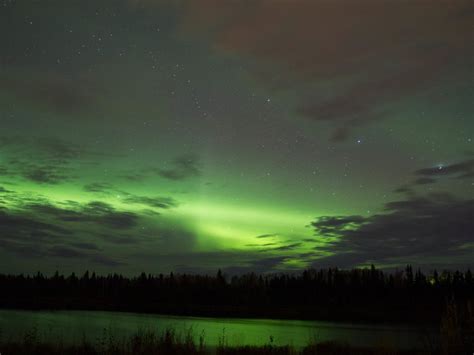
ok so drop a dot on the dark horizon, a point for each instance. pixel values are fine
(326, 294)
(229, 273)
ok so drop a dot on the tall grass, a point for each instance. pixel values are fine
(143, 342)
(457, 329)
(169, 341)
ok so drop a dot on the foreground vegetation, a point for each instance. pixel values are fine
(183, 349)
(168, 342)
(456, 337)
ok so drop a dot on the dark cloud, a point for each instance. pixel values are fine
(156, 202)
(106, 261)
(97, 258)
(41, 229)
(21, 249)
(59, 149)
(120, 239)
(102, 213)
(23, 226)
(287, 247)
(43, 160)
(24, 234)
(461, 170)
(181, 168)
(439, 225)
(54, 149)
(336, 224)
(268, 264)
(260, 245)
(265, 236)
(85, 245)
(170, 237)
(44, 174)
(149, 212)
(268, 244)
(365, 101)
(229, 262)
(432, 175)
(346, 112)
(118, 219)
(257, 265)
(346, 73)
(403, 190)
(135, 176)
(72, 224)
(97, 187)
(35, 172)
(96, 212)
(173, 237)
(55, 91)
(424, 181)
(65, 252)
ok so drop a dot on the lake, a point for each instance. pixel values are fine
(73, 326)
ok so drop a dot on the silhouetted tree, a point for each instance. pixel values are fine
(316, 294)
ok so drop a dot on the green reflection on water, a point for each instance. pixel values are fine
(74, 326)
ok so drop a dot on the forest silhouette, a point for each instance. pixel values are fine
(327, 294)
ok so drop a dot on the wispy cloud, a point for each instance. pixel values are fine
(352, 62)
(41, 160)
(181, 168)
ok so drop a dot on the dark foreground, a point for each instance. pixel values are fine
(364, 295)
(185, 349)
(456, 337)
(169, 342)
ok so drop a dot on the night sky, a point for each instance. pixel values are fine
(265, 135)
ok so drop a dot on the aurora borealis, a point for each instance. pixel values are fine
(266, 135)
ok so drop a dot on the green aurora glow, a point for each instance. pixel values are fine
(146, 135)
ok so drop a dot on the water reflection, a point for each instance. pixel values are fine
(74, 326)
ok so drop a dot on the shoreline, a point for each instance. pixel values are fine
(341, 316)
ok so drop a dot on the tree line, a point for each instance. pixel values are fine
(332, 294)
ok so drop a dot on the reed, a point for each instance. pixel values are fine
(169, 341)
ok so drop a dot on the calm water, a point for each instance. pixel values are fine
(72, 326)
